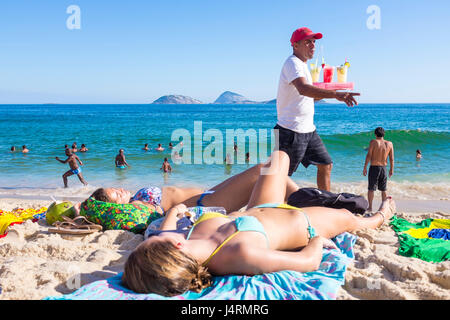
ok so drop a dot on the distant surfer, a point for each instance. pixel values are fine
(72, 160)
(379, 151)
(120, 161)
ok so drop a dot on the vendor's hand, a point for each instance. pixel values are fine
(347, 97)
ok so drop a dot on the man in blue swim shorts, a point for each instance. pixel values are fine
(72, 160)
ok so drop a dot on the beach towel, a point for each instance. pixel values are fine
(17, 216)
(322, 284)
(426, 240)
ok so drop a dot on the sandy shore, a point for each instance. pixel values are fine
(35, 263)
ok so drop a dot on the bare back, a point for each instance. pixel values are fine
(120, 160)
(379, 151)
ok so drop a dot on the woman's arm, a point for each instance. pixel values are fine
(172, 216)
(250, 260)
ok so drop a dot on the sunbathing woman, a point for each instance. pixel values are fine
(268, 237)
(232, 194)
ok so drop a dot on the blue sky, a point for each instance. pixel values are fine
(136, 51)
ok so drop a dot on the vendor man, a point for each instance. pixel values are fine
(295, 109)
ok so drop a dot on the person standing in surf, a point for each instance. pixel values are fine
(295, 109)
(379, 151)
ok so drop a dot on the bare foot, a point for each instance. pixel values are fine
(387, 209)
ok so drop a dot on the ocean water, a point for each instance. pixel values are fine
(346, 132)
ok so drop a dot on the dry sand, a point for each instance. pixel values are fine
(35, 263)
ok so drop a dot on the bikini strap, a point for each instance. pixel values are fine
(311, 230)
(204, 264)
(199, 201)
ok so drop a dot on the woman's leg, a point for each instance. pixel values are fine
(291, 187)
(272, 182)
(330, 222)
(232, 194)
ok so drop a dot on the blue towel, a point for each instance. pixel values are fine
(322, 284)
(443, 234)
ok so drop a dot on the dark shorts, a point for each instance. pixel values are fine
(305, 148)
(377, 178)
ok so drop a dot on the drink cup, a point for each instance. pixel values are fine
(315, 73)
(342, 74)
(328, 72)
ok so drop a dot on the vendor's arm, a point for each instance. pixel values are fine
(172, 216)
(311, 91)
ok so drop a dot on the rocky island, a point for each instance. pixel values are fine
(176, 99)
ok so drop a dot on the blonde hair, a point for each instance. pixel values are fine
(163, 269)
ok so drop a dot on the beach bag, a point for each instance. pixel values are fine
(313, 197)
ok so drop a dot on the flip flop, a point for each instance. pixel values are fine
(77, 226)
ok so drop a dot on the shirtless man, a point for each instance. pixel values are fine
(74, 168)
(25, 149)
(379, 151)
(166, 167)
(120, 160)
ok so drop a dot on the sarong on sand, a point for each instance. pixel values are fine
(425, 240)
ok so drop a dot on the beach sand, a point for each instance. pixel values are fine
(35, 264)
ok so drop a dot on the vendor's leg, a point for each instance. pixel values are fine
(324, 176)
(271, 184)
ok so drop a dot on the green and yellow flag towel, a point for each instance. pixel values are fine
(428, 240)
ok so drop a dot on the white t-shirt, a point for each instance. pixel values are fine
(295, 112)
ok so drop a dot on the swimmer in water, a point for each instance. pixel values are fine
(120, 160)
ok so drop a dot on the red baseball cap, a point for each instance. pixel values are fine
(304, 33)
